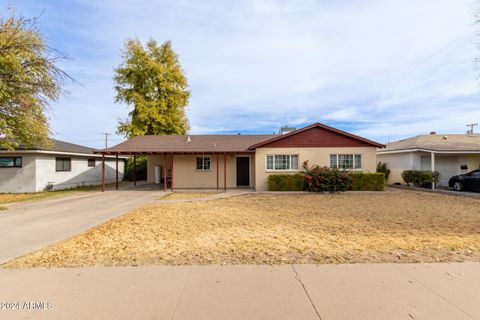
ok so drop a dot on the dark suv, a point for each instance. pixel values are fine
(466, 181)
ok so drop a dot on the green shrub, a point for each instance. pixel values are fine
(285, 182)
(140, 169)
(420, 178)
(383, 168)
(321, 179)
(367, 181)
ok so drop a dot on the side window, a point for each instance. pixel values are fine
(91, 162)
(63, 164)
(10, 162)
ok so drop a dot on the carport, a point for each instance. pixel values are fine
(171, 161)
(191, 162)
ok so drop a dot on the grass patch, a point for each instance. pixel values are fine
(392, 226)
(7, 198)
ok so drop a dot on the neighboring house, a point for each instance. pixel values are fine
(65, 165)
(231, 161)
(449, 154)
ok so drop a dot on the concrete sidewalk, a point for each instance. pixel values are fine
(29, 226)
(362, 291)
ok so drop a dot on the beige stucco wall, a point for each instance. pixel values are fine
(318, 156)
(186, 176)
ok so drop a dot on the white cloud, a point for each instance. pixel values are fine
(381, 68)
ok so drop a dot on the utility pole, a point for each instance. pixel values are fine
(471, 125)
(106, 139)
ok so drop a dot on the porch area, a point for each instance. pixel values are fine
(192, 171)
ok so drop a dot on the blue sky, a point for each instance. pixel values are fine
(384, 69)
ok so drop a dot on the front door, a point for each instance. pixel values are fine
(243, 171)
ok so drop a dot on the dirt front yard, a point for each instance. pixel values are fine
(392, 226)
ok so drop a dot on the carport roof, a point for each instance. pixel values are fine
(187, 144)
(437, 142)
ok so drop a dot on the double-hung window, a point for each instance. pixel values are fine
(282, 162)
(63, 164)
(10, 162)
(346, 161)
(203, 163)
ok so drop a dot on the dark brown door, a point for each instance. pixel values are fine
(243, 171)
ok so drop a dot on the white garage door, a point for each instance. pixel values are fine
(447, 167)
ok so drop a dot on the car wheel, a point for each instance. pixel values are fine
(458, 186)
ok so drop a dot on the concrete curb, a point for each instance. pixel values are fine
(464, 194)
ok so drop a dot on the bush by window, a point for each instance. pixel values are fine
(420, 178)
(383, 168)
(285, 182)
(367, 181)
(321, 179)
(325, 179)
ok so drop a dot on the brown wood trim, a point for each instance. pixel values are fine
(335, 136)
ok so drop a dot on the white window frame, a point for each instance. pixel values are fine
(354, 155)
(289, 161)
(203, 163)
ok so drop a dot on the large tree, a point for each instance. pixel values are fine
(29, 80)
(151, 80)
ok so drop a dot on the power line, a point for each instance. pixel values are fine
(106, 139)
(471, 125)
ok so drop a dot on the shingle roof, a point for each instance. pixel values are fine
(60, 146)
(182, 143)
(438, 142)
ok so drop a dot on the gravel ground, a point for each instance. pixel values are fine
(391, 226)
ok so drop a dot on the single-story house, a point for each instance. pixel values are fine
(64, 165)
(233, 161)
(449, 154)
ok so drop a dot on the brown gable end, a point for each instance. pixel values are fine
(316, 137)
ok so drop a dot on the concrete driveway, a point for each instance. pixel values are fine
(303, 292)
(32, 225)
